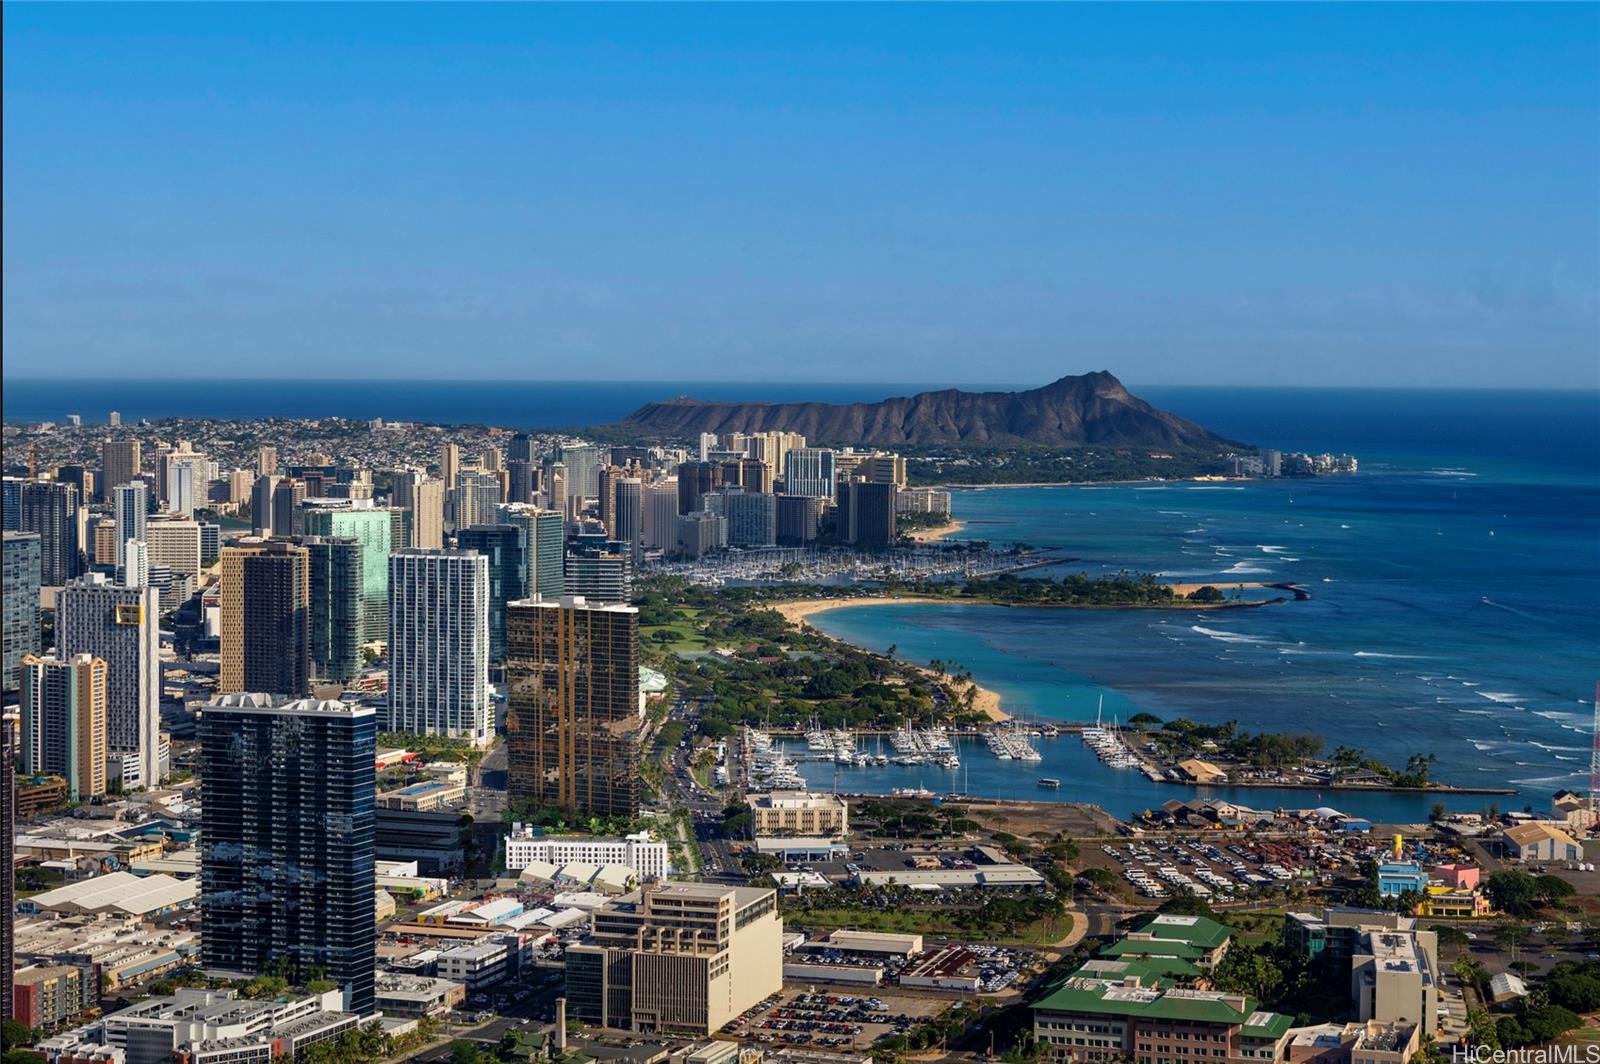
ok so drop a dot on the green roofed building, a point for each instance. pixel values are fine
(1205, 937)
(1131, 1009)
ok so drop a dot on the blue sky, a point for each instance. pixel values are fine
(1250, 194)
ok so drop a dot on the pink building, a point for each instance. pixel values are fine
(1458, 876)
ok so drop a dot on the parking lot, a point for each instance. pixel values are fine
(832, 1020)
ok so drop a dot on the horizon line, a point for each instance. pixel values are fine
(925, 386)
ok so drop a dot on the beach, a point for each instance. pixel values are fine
(933, 535)
(984, 700)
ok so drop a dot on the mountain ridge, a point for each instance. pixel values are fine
(1092, 408)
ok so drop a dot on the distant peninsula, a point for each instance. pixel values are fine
(1087, 410)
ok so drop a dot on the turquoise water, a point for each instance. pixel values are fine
(1454, 612)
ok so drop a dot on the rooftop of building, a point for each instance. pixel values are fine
(258, 702)
(119, 892)
(577, 602)
(1200, 931)
(1142, 990)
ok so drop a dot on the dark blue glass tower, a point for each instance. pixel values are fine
(506, 547)
(286, 854)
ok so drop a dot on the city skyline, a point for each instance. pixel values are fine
(1289, 195)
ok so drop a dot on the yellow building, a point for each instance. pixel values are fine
(1443, 901)
(684, 957)
(802, 813)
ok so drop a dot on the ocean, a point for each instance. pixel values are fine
(1455, 579)
(1455, 606)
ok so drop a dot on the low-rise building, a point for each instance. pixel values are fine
(425, 797)
(46, 995)
(803, 813)
(123, 949)
(480, 965)
(416, 995)
(118, 892)
(642, 852)
(1399, 877)
(1205, 938)
(1131, 1010)
(1541, 840)
(685, 957)
(201, 1026)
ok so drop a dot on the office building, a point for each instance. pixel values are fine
(240, 484)
(642, 853)
(752, 518)
(556, 489)
(21, 596)
(130, 508)
(545, 532)
(118, 624)
(1134, 1009)
(800, 813)
(287, 495)
(119, 462)
(799, 519)
(267, 461)
(210, 543)
(449, 464)
(371, 528)
(265, 590)
(522, 448)
(660, 517)
(573, 713)
(600, 573)
(1394, 977)
(701, 532)
(287, 841)
(176, 543)
(335, 605)
(505, 547)
(52, 510)
(439, 644)
(64, 721)
(683, 957)
(133, 568)
(79, 477)
(200, 1026)
(866, 514)
(522, 481)
(424, 499)
(186, 485)
(582, 464)
(263, 494)
(810, 471)
(628, 508)
(105, 552)
(477, 496)
(1338, 930)
(695, 481)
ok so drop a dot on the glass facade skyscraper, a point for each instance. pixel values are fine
(287, 841)
(506, 548)
(372, 529)
(573, 715)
